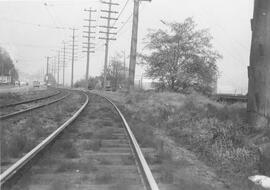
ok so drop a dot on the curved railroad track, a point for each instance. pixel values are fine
(107, 154)
(31, 108)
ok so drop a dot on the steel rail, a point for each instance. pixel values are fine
(16, 167)
(30, 100)
(148, 178)
(2, 117)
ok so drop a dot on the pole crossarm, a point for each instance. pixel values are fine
(88, 52)
(90, 20)
(110, 27)
(110, 3)
(106, 11)
(89, 37)
(110, 33)
(108, 18)
(89, 26)
(107, 38)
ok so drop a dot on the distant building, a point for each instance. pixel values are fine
(5, 79)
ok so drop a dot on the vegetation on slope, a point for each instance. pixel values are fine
(216, 133)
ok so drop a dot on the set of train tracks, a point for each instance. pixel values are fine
(17, 108)
(93, 149)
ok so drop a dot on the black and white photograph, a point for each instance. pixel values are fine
(135, 94)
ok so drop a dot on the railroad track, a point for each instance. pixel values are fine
(30, 100)
(27, 108)
(97, 151)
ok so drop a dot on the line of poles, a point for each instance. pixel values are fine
(109, 12)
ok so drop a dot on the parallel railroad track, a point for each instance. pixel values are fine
(97, 151)
(33, 107)
(30, 100)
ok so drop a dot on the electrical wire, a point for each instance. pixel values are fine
(121, 12)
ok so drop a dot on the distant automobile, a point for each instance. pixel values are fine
(23, 83)
(108, 86)
(36, 84)
(17, 83)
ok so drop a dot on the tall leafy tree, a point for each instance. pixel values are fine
(116, 72)
(7, 67)
(181, 57)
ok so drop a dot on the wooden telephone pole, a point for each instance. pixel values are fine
(58, 68)
(134, 40)
(64, 63)
(259, 68)
(89, 45)
(73, 57)
(108, 34)
(47, 70)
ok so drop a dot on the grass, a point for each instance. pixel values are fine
(20, 138)
(217, 133)
(19, 143)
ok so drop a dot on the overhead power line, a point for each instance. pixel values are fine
(121, 12)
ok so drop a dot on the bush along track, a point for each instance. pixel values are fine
(196, 138)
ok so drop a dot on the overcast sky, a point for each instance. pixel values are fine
(29, 31)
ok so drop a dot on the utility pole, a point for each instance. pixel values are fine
(47, 70)
(124, 54)
(108, 33)
(259, 69)
(142, 81)
(72, 59)
(54, 67)
(58, 67)
(89, 45)
(64, 63)
(134, 40)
